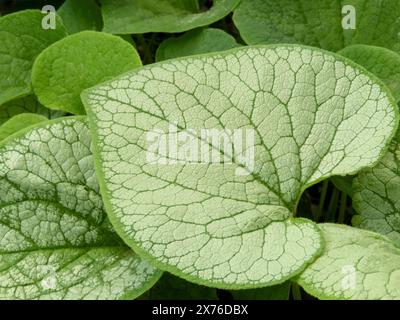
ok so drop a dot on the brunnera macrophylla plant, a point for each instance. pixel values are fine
(211, 165)
(313, 114)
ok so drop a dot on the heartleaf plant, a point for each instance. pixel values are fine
(232, 225)
(242, 159)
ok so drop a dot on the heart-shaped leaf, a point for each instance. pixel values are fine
(274, 120)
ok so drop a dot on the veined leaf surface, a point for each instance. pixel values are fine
(55, 239)
(230, 224)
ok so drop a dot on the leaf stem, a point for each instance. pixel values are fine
(333, 204)
(325, 185)
(343, 205)
(296, 292)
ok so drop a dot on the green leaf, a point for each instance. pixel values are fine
(22, 38)
(170, 287)
(377, 194)
(77, 62)
(80, 15)
(319, 23)
(227, 223)
(384, 63)
(278, 292)
(55, 239)
(18, 123)
(196, 42)
(344, 184)
(28, 104)
(355, 264)
(141, 16)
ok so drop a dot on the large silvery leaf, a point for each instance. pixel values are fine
(55, 239)
(384, 63)
(196, 42)
(77, 62)
(320, 23)
(356, 264)
(28, 104)
(141, 16)
(377, 196)
(284, 117)
(22, 38)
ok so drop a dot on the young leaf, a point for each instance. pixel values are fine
(355, 264)
(384, 63)
(55, 239)
(80, 15)
(196, 42)
(18, 123)
(320, 23)
(170, 287)
(28, 104)
(278, 292)
(77, 62)
(376, 195)
(22, 38)
(141, 16)
(229, 223)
